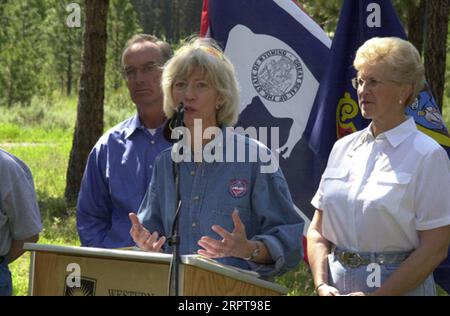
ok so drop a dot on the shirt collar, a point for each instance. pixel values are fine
(395, 136)
(398, 134)
(135, 123)
(132, 125)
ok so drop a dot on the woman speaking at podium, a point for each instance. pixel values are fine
(238, 211)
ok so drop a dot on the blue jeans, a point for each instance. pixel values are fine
(348, 280)
(5, 280)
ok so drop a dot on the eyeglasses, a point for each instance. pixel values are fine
(370, 83)
(148, 69)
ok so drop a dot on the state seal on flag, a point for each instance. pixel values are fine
(277, 75)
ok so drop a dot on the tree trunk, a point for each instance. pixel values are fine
(435, 46)
(89, 125)
(416, 25)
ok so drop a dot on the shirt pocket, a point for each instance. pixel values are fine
(335, 186)
(123, 183)
(385, 190)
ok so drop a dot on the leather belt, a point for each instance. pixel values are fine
(355, 259)
(2, 259)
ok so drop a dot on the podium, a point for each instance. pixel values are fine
(82, 271)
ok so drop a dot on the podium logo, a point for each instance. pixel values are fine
(86, 287)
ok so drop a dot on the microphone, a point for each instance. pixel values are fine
(177, 120)
(179, 117)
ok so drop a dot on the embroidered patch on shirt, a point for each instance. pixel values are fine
(238, 188)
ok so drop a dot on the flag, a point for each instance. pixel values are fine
(280, 55)
(336, 111)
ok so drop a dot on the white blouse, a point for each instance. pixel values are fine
(376, 193)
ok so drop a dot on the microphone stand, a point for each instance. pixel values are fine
(174, 239)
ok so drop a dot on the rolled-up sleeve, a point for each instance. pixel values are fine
(280, 227)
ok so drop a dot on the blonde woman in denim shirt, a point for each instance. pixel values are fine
(237, 212)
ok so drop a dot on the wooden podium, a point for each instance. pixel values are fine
(108, 272)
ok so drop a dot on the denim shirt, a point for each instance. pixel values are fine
(117, 174)
(209, 194)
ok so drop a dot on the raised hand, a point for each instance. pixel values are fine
(234, 244)
(143, 238)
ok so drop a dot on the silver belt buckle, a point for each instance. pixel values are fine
(353, 260)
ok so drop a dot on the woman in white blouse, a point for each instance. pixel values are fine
(382, 220)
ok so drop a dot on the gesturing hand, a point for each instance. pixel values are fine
(234, 244)
(143, 238)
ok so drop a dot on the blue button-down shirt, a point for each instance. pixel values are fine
(209, 194)
(116, 177)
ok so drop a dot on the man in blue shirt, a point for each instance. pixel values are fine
(119, 167)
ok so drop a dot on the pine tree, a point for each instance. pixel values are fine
(23, 51)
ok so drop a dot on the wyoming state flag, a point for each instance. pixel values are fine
(336, 107)
(280, 55)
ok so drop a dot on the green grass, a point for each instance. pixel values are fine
(299, 281)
